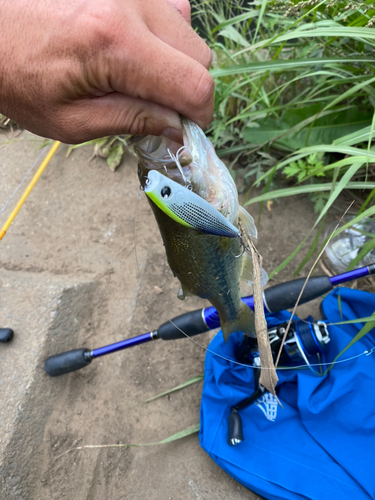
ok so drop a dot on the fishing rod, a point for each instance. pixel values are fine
(275, 298)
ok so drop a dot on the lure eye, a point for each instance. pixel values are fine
(166, 192)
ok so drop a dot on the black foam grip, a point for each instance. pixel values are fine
(285, 295)
(191, 323)
(6, 335)
(67, 362)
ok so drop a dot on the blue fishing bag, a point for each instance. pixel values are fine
(321, 445)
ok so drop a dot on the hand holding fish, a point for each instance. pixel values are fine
(81, 69)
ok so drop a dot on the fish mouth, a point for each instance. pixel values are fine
(160, 153)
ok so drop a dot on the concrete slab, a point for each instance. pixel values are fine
(47, 313)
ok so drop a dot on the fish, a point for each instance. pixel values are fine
(209, 266)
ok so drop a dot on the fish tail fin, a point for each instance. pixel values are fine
(243, 323)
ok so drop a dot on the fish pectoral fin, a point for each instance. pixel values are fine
(182, 293)
(243, 323)
(247, 271)
(248, 222)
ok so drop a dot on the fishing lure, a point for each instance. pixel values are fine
(186, 207)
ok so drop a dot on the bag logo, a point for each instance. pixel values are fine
(268, 404)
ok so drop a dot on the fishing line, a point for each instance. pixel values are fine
(364, 353)
(23, 179)
(175, 158)
(135, 229)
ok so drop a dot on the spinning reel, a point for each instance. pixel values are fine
(304, 344)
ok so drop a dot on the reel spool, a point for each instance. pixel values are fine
(305, 341)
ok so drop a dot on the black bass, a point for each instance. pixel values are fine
(206, 265)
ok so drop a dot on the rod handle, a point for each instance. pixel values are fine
(285, 295)
(191, 323)
(6, 335)
(67, 362)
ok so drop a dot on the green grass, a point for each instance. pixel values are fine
(295, 97)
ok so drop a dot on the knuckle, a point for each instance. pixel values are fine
(206, 56)
(204, 89)
(138, 122)
(183, 7)
(97, 25)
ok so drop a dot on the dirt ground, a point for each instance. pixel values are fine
(82, 220)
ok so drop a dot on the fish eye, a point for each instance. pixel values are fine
(166, 192)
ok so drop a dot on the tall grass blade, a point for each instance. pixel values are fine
(289, 258)
(364, 331)
(311, 251)
(311, 188)
(177, 388)
(342, 184)
(284, 65)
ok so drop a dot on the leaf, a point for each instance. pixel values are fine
(175, 437)
(115, 156)
(296, 132)
(364, 331)
(367, 201)
(311, 188)
(319, 200)
(235, 20)
(289, 258)
(179, 435)
(103, 149)
(232, 34)
(360, 154)
(342, 184)
(356, 137)
(311, 251)
(330, 30)
(365, 249)
(286, 64)
(177, 388)
(260, 18)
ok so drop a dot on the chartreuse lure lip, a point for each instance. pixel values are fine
(186, 207)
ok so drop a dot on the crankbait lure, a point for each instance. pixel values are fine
(186, 207)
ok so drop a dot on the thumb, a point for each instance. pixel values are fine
(114, 114)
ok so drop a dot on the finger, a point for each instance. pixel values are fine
(167, 77)
(115, 114)
(183, 7)
(168, 25)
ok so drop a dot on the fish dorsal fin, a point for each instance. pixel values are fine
(247, 271)
(248, 222)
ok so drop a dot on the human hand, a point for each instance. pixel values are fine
(81, 69)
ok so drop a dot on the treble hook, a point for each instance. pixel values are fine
(176, 160)
(243, 248)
